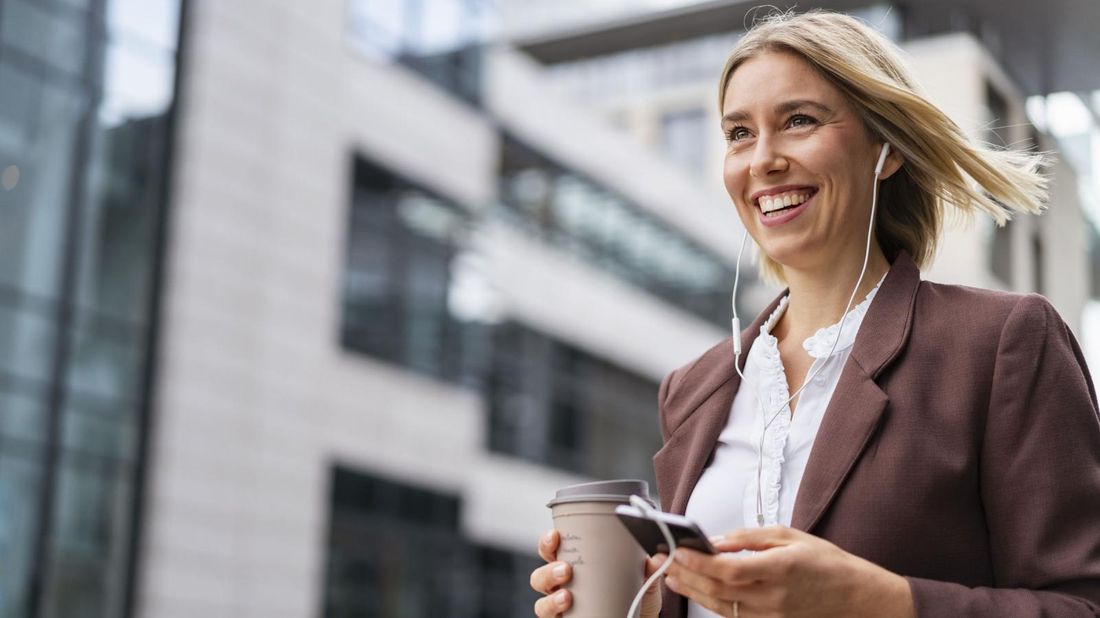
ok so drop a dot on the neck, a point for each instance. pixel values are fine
(818, 297)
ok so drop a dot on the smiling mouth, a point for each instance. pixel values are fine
(774, 205)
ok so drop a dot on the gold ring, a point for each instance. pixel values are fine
(737, 609)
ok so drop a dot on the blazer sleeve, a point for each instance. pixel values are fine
(1040, 479)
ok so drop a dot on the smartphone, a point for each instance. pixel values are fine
(685, 532)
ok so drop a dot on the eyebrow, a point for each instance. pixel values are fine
(782, 108)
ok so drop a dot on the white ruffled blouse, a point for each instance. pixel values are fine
(725, 498)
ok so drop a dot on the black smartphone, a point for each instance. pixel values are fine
(644, 529)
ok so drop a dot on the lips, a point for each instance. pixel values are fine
(777, 199)
(782, 214)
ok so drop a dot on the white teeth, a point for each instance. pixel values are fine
(772, 203)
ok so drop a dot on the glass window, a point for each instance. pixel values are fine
(393, 550)
(88, 537)
(106, 358)
(555, 404)
(397, 550)
(403, 299)
(99, 427)
(20, 487)
(38, 127)
(27, 341)
(22, 416)
(155, 22)
(118, 226)
(81, 192)
(439, 39)
(684, 138)
(602, 228)
(46, 34)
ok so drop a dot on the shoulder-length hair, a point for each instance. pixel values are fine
(942, 167)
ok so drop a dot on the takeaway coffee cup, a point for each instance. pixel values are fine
(608, 564)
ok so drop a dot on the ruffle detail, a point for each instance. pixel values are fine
(773, 379)
(773, 391)
(819, 344)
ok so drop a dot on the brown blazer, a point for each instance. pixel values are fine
(961, 449)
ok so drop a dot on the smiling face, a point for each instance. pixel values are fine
(799, 163)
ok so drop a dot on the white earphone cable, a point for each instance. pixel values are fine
(737, 336)
(646, 510)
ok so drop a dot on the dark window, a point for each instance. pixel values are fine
(396, 551)
(555, 404)
(404, 261)
(439, 39)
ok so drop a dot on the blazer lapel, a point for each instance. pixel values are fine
(702, 399)
(857, 403)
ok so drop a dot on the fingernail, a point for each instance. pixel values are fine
(559, 598)
(546, 537)
(559, 571)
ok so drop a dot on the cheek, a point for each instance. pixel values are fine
(734, 177)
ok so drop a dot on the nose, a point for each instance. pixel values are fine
(766, 158)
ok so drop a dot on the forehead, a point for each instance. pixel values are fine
(774, 77)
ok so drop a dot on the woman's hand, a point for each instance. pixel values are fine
(549, 579)
(792, 573)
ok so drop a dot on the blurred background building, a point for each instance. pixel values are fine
(307, 308)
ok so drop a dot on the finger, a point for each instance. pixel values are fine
(757, 539)
(728, 568)
(717, 604)
(548, 545)
(701, 584)
(653, 563)
(549, 577)
(553, 605)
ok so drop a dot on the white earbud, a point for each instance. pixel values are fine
(882, 159)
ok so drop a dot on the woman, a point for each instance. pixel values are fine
(933, 451)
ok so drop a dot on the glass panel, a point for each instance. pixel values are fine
(126, 173)
(22, 418)
(38, 124)
(393, 550)
(20, 484)
(106, 358)
(156, 22)
(27, 341)
(88, 540)
(608, 231)
(56, 37)
(137, 83)
(99, 427)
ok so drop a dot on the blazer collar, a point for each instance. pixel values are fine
(697, 410)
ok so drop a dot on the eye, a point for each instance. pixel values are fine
(801, 120)
(736, 133)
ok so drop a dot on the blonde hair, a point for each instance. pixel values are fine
(941, 168)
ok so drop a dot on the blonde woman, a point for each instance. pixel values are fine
(882, 445)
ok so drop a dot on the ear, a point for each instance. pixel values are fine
(893, 163)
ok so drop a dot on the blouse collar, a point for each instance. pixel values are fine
(819, 344)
